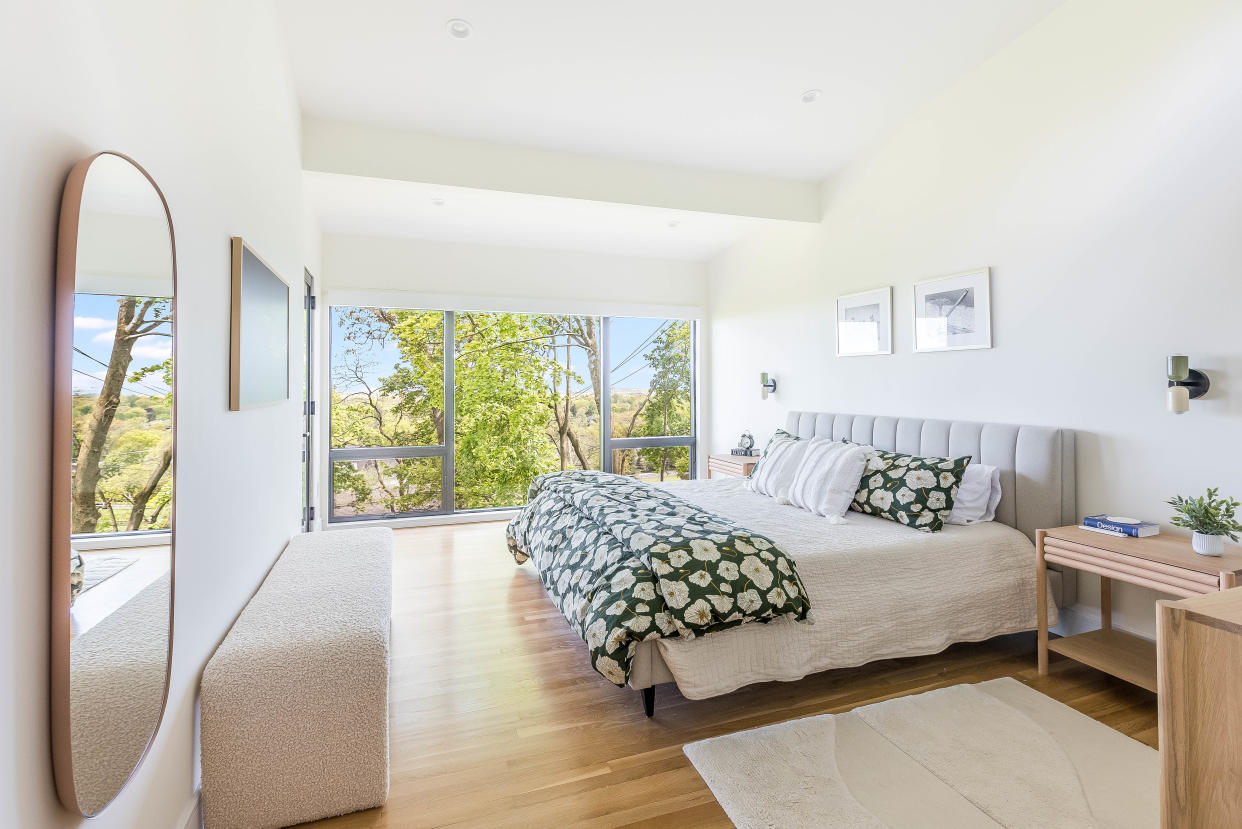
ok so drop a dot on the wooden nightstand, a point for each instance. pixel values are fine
(1200, 710)
(1162, 562)
(725, 465)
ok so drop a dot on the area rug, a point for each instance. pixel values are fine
(116, 677)
(97, 569)
(987, 755)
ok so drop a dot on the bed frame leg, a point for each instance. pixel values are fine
(649, 701)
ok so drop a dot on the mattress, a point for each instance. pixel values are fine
(878, 590)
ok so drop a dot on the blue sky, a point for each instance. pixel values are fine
(629, 340)
(94, 322)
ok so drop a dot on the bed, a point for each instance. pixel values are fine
(877, 589)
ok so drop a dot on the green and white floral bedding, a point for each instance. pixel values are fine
(626, 561)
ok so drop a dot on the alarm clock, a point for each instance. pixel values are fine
(745, 444)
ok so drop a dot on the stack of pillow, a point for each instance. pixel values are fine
(830, 477)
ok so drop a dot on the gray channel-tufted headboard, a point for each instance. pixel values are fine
(1036, 462)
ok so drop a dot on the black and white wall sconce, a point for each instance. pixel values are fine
(1185, 384)
(767, 385)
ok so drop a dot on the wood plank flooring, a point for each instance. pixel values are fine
(498, 721)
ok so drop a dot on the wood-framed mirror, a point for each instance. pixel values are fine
(113, 476)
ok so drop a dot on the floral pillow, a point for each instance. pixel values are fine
(908, 489)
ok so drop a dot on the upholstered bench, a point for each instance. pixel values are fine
(294, 722)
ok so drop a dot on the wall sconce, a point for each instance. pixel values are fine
(1185, 384)
(768, 385)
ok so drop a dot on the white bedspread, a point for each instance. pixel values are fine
(878, 590)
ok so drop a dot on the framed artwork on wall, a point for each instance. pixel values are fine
(953, 313)
(258, 332)
(865, 323)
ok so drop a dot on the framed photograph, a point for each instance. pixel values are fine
(258, 332)
(865, 323)
(953, 313)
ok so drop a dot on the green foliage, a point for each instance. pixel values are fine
(1207, 514)
(507, 376)
(141, 430)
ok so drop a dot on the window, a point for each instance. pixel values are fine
(122, 414)
(528, 397)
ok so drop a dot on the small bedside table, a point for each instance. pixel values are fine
(725, 465)
(1162, 562)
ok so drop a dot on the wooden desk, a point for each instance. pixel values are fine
(725, 465)
(1164, 562)
(1200, 667)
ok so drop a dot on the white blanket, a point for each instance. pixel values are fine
(878, 590)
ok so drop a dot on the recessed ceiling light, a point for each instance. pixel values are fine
(811, 96)
(438, 202)
(458, 27)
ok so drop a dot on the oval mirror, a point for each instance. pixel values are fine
(114, 430)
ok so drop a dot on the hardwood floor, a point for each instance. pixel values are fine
(497, 719)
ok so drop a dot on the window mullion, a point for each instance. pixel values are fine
(448, 501)
(605, 394)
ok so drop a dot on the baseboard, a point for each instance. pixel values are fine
(1081, 618)
(471, 517)
(192, 815)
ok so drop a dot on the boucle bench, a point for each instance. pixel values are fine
(294, 720)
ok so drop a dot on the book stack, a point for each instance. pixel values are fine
(1120, 526)
(749, 453)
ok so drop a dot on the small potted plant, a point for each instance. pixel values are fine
(1211, 518)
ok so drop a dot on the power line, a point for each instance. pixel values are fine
(643, 344)
(130, 389)
(628, 376)
(95, 359)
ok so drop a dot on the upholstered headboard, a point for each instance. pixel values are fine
(1036, 462)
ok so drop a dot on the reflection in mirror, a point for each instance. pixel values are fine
(113, 537)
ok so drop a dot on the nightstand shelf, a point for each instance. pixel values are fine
(1123, 655)
(1165, 563)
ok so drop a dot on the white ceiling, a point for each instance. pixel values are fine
(361, 206)
(702, 83)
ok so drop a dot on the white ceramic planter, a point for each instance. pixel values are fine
(1208, 545)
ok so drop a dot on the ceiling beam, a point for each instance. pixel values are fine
(400, 155)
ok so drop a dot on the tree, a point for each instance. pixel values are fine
(137, 317)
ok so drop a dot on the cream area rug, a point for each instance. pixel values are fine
(116, 679)
(996, 754)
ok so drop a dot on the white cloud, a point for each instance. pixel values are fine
(153, 352)
(104, 337)
(93, 323)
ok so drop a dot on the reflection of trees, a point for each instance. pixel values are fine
(126, 465)
(517, 414)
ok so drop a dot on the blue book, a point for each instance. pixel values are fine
(1120, 524)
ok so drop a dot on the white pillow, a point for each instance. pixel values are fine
(827, 479)
(978, 495)
(775, 472)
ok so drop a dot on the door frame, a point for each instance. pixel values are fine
(308, 403)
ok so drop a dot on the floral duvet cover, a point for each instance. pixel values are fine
(625, 561)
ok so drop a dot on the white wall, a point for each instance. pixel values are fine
(1094, 165)
(570, 278)
(197, 93)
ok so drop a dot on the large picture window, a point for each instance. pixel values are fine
(530, 394)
